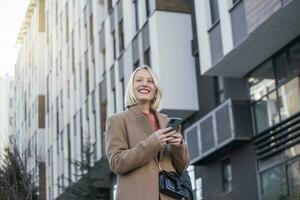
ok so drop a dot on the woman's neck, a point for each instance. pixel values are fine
(146, 108)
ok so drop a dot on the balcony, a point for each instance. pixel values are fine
(268, 31)
(223, 128)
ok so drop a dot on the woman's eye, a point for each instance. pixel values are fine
(150, 81)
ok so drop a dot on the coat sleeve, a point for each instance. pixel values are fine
(123, 159)
(180, 157)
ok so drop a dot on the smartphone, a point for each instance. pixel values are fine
(174, 122)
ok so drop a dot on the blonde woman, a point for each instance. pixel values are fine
(137, 138)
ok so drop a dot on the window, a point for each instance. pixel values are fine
(113, 35)
(109, 5)
(274, 88)
(67, 23)
(91, 29)
(93, 95)
(266, 111)
(86, 72)
(221, 91)
(136, 12)
(69, 153)
(273, 183)
(147, 8)
(11, 103)
(147, 57)
(41, 99)
(198, 189)
(227, 175)
(289, 98)
(103, 115)
(214, 11)
(287, 63)
(121, 36)
(294, 178)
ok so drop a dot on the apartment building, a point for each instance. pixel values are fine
(7, 118)
(30, 91)
(91, 49)
(244, 143)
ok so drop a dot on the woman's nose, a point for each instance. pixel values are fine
(145, 83)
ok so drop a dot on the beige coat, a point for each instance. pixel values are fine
(130, 153)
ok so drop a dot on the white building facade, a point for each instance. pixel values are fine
(30, 93)
(7, 118)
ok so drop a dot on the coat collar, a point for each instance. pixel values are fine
(137, 111)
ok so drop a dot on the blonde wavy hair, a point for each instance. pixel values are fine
(130, 99)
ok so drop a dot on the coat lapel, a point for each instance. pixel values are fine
(142, 121)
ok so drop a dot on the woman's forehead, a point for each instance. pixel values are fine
(143, 73)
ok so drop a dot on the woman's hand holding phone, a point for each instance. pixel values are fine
(176, 138)
(165, 135)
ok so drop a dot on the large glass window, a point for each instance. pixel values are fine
(289, 98)
(273, 184)
(266, 111)
(280, 175)
(274, 88)
(294, 179)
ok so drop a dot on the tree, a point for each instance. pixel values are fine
(86, 188)
(15, 182)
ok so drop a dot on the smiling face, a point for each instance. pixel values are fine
(143, 86)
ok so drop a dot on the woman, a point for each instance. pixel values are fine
(137, 139)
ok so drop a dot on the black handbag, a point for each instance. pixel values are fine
(177, 186)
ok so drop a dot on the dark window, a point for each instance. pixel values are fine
(135, 51)
(136, 12)
(273, 183)
(147, 57)
(136, 64)
(69, 153)
(93, 95)
(73, 52)
(103, 112)
(214, 11)
(62, 140)
(102, 39)
(287, 63)
(87, 81)
(67, 22)
(91, 29)
(41, 111)
(293, 170)
(113, 35)
(221, 91)
(227, 175)
(109, 5)
(121, 36)
(147, 8)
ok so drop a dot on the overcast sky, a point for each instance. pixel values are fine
(12, 13)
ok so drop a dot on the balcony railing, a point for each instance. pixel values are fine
(278, 138)
(226, 126)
